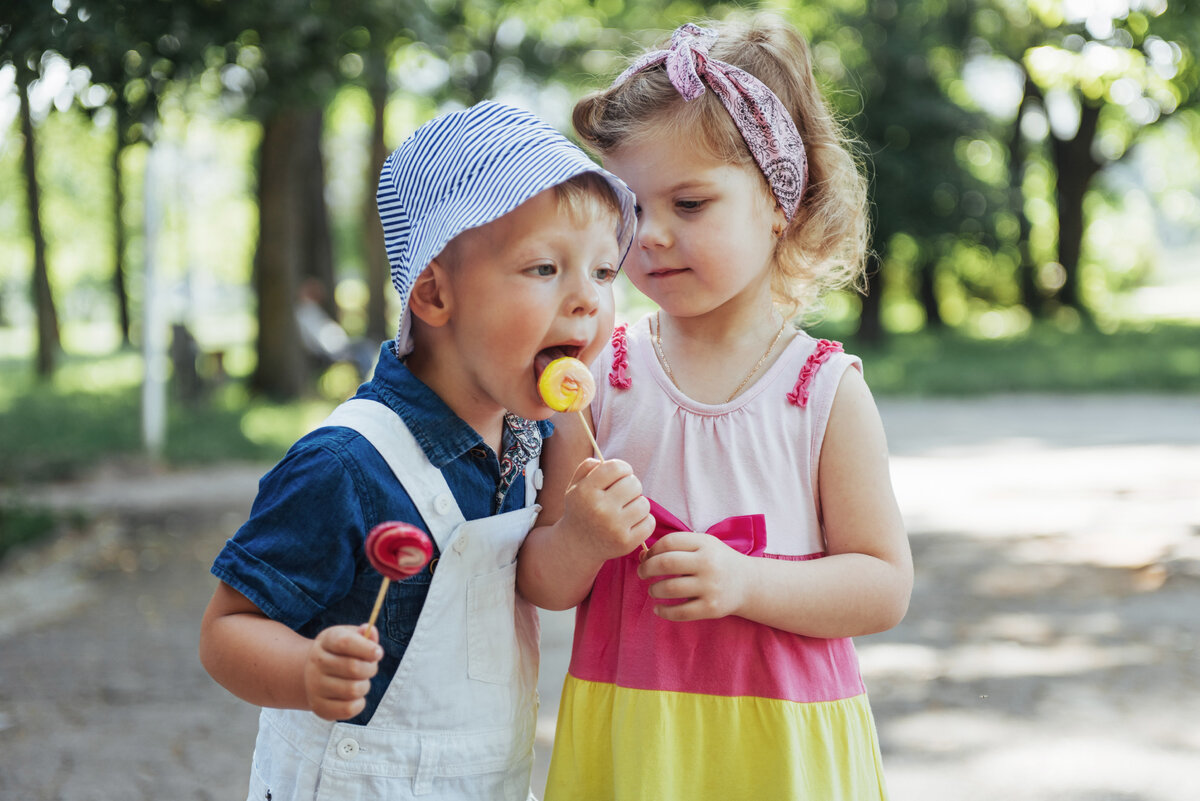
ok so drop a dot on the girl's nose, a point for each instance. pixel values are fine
(651, 234)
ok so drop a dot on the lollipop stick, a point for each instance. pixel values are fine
(588, 429)
(378, 602)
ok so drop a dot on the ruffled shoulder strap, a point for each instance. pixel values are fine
(825, 348)
(618, 375)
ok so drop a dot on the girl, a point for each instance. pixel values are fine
(717, 664)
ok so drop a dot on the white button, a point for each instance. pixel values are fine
(460, 544)
(442, 504)
(347, 748)
(537, 479)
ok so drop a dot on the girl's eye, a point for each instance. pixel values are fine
(689, 205)
(637, 210)
(605, 274)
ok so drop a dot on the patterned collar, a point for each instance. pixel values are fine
(522, 443)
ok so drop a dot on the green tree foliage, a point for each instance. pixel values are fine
(136, 50)
(907, 58)
(1104, 75)
(27, 33)
(948, 181)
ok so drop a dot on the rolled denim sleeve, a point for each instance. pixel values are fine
(300, 549)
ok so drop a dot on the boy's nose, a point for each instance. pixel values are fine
(583, 297)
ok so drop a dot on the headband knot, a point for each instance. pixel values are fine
(766, 125)
(688, 52)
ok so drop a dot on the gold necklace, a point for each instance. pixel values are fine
(662, 356)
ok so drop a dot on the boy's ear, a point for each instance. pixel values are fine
(430, 300)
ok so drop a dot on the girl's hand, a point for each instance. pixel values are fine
(604, 512)
(338, 671)
(710, 575)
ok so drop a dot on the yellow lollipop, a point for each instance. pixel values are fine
(566, 385)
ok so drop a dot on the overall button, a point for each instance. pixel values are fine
(443, 503)
(537, 479)
(347, 748)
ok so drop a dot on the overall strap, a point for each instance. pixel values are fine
(425, 484)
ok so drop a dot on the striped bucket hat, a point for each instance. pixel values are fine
(463, 170)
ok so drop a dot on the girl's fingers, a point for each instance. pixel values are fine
(673, 588)
(694, 609)
(673, 555)
(626, 490)
(641, 523)
(607, 475)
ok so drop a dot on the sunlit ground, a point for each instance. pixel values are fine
(1051, 650)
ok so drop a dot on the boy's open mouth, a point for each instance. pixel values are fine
(547, 355)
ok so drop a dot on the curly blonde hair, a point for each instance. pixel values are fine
(824, 246)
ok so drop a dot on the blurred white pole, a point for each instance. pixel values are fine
(154, 329)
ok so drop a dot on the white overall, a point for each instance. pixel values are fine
(458, 719)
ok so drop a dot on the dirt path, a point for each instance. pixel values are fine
(1051, 650)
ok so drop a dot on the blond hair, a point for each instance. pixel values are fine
(588, 196)
(824, 246)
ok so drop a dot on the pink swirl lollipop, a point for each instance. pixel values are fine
(397, 550)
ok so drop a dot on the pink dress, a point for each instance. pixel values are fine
(722, 708)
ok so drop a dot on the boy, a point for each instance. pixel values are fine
(504, 240)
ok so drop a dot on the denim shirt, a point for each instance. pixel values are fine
(299, 557)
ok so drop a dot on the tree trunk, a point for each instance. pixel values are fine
(378, 271)
(1031, 296)
(870, 327)
(118, 279)
(1075, 166)
(48, 342)
(281, 371)
(316, 250)
(927, 290)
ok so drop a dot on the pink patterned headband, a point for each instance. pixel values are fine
(759, 115)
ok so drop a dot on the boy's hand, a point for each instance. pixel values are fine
(337, 674)
(706, 573)
(604, 511)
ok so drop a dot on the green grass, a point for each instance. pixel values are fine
(1163, 358)
(90, 412)
(22, 525)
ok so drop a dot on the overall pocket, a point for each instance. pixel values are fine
(491, 625)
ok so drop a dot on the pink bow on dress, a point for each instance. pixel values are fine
(745, 533)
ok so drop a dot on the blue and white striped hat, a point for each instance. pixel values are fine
(465, 169)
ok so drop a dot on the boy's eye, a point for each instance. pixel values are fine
(605, 274)
(689, 205)
(543, 269)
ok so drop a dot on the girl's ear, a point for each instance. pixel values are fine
(779, 222)
(430, 299)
